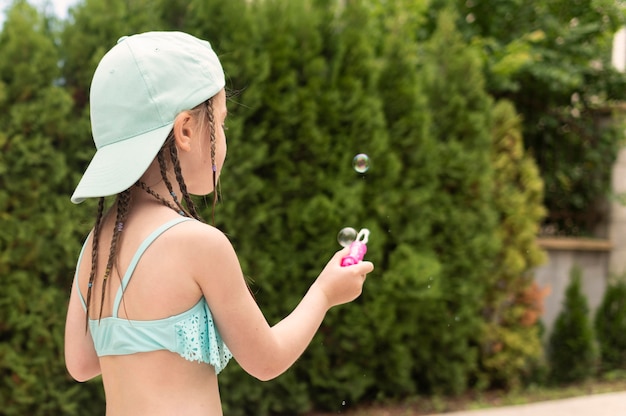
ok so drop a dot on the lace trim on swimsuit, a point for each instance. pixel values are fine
(199, 340)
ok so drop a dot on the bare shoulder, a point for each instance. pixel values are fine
(200, 235)
(203, 245)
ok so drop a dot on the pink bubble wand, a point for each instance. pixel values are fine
(358, 248)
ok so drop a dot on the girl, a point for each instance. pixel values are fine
(159, 303)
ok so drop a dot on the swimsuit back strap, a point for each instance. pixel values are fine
(133, 263)
(80, 256)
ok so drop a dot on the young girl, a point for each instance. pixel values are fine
(159, 303)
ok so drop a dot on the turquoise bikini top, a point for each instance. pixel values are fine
(191, 334)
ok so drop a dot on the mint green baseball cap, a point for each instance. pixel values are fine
(138, 89)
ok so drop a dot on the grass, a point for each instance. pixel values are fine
(421, 406)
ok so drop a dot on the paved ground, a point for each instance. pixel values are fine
(608, 404)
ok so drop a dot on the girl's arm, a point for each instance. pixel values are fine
(80, 355)
(262, 350)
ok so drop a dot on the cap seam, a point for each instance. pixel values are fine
(142, 71)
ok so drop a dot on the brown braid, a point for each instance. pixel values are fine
(163, 168)
(94, 257)
(211, 117)
(204, 112)
(181, 182)
(159, 198)
(123, 205)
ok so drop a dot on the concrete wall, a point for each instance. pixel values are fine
(591, 256)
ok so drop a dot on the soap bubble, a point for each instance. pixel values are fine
(361, 163)
(346, 236)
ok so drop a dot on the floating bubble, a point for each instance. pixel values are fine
(361, 163)
(346, 236)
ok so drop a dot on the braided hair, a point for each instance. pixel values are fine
(123, 203)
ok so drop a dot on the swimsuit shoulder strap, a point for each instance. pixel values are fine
(142, 248)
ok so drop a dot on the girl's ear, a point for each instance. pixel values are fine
(183, 131)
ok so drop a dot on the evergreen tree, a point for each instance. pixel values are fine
(513, 303)
(463, 227)
(400, 301)
(571, 351)
(610, 326)
(352, 119)
(39, 231)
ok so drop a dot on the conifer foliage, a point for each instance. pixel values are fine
(610, 326)
(39, 232)
(572, 350)
(513, 301)
(463, 222)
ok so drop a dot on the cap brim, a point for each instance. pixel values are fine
(116, 167)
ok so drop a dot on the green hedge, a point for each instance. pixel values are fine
(40, 232)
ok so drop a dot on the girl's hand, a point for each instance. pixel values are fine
(342, 284)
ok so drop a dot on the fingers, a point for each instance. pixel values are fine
(342, 284)
(362, 267)
(340, 254)
(367, 266)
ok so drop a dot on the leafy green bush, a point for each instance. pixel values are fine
(553, 60)
(610, 326)
(572, 351)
